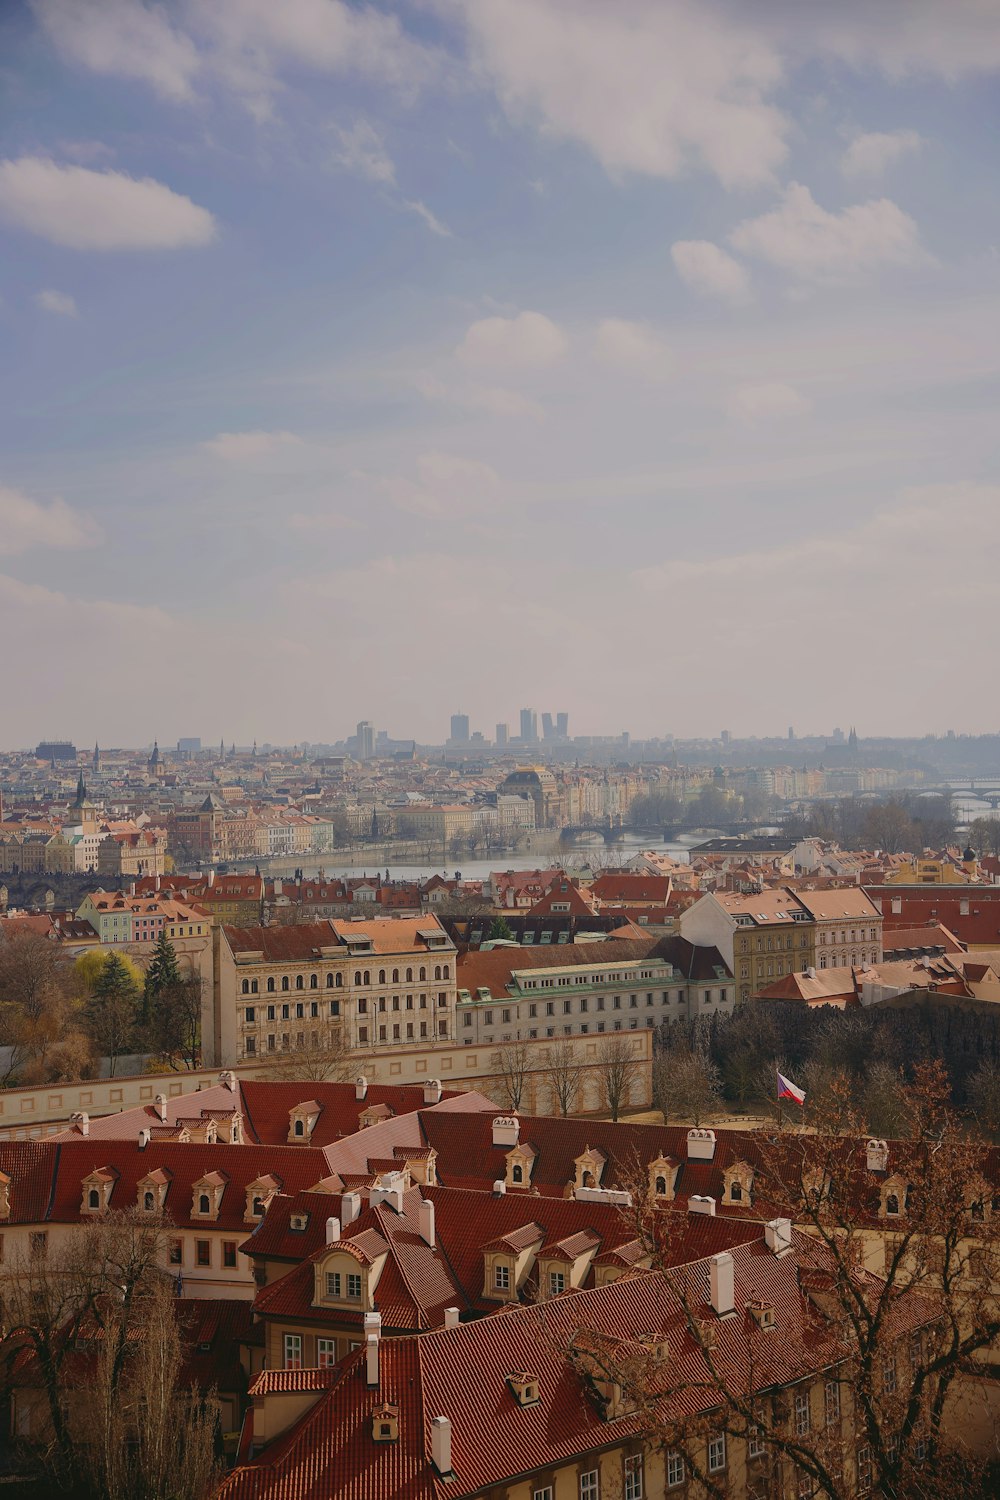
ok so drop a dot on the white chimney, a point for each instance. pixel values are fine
(699, 1204)
(778, 1235)
(81, 1118)
(432, 1091)
(332, 1230)
(499, 1188)
(156, 883)
(373, 1325)
(278, 887)
(161, 1106)
(371, 1350)
(618, 1196)
(451, 1317)
(143, 1139)
(350, 1208)
(441, 1445)
(210, 879)
(722, 1283)
(701, 1145)
(391, 1190)
(877, 1156)
(427, 1222)
(506, 1130)
(360, 1087)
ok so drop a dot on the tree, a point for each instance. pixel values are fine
(984, 834)
(564, 1077)
(334, 1060)
(112, 1010)
(500, 931)
(174, 1024)
(686, 1086)
(163, 973)
(618, 1069)
(889, 827)
(38, 1021)
(511, 1062)
(28, 971)
(983, 1093)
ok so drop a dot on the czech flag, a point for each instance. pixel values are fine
(788, 1090)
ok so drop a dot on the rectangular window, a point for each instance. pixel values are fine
(557, 1283)
(251, 1013)
(251, 1046)
(889, 1374)
(176, 1252)
(802, 1413)
(293, 1351)
(203, 1252)
(831, 1398)
(501, 1277)
(229, 1254)
(676, 1470)
(333, 1283)
(590, 1485)
(717, 1454)
(38, 1241)
(544, 1493)
(755, 1443)
(326, 1353)
(354, 1286)
(864, 1470)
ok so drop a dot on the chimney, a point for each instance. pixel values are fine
(373, 1325)
(81, 1118)
(389, 1191)
(877, 1156)
(432, 1091)
(228, 1081)
(499, 1188)
(360, 1087)
(451, 1317)
(722, 1283)
(278, 887)
(210, 879)
(506, 1130)
(441, 1445)
(350, 1208)
(156, 883)
(778, 1236)
(699, 1204)
(701, 1145)
(161, 1106)
(332, 1230)
(427, 1222)
(143, 1139)
(371, 1350)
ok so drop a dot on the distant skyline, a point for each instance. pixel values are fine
(637, 361)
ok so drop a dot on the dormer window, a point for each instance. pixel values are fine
(501, 1276)
(204, 1203)
(97, 1190)
(148, 1201)
(517, 1173)
(737, 1183)
(93, 1199)
(892, 1203)
(208, 1192)
(299, 1127)
(258, 1196)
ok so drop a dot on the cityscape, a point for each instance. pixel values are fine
(499, 798)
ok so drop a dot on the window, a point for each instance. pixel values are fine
(864, 1470)
(590, 1485)
(326, 1353)
(919, 1450)
(284, 982)
(175, 1254)
(676, 1469)
(251, 1046)
(755, 1443)
(203, 1252)
(557, 1283)
(293, 1351)
(333, 1283)
(831, 1402)
(270, 1012)
(229, 1254)
(717, 1453)
(544, 1493)
(892, 1204)
(362, 1033)
(803, 1483)
(354, 1286)
(517, 1174)
(270, 986)
(299, 1011)
(204, 1203)
(94, 1199)
(889, 1374)
(501, 1277)
(802, 1413)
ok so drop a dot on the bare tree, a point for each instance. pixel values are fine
(333, 1060)
(617, 1070)
(510, 1062)
(686, 1086)
(564, 1077)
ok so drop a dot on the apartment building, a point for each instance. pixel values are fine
(847, 926)
(761, 936)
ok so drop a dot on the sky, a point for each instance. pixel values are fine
(390, 361)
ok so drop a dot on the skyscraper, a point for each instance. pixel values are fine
(366, 741)
(460, 728)
(502, 736)
(546, 726)
(562, 726)
(529, 726)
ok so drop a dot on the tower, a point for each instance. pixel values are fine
(96, 763)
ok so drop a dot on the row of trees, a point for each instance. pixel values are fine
(57, 1019)
(566, 1081)
(906, 822)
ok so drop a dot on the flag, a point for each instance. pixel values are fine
(788, 1090)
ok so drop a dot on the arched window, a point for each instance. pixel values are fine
(339, 981)
(300, 983)
(314, 981)
(409, 976)
(257, 1208)
(368, 976)
(661, 1187)
(446, 971)
(300, 1128)
(148, 1202)
(395, 976)
(735, 1192)
(270, 986)
(437, 971)
(381, 976)
(423, 972)
(204, 1204)
(94, 1198)
(892, 1204)
(253, 986)
(246, 986)
(284, 982)
(329, 981)
(517, 1174)
(357, 976)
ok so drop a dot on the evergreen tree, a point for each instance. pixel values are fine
(163, 974)
(500, 930)
(112, 1010)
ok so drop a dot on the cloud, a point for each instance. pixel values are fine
(766, 400)
(360, 150)
(902, 37)
(56, 302)
(496, 400)
(649, 86)
(529, 338)
(869, 155)
(431, 220)
(24, 523)
(243, 447)
(632, 346)
(707, 268)
(123, 38)
(809, 242)
(88, 210)
(446, 486)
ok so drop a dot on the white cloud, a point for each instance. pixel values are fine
(527, 339)
(902, 37)
(430, 219)
(707, 268)
(650, 86)
(25, 523)
(360, 150)
(632, 346)
(767, 400)
(496, 400)
(57, 302)
(815, 245)
(98, 210)
(123, 38)
(870, 154)
(243, 447)
(446, 486)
